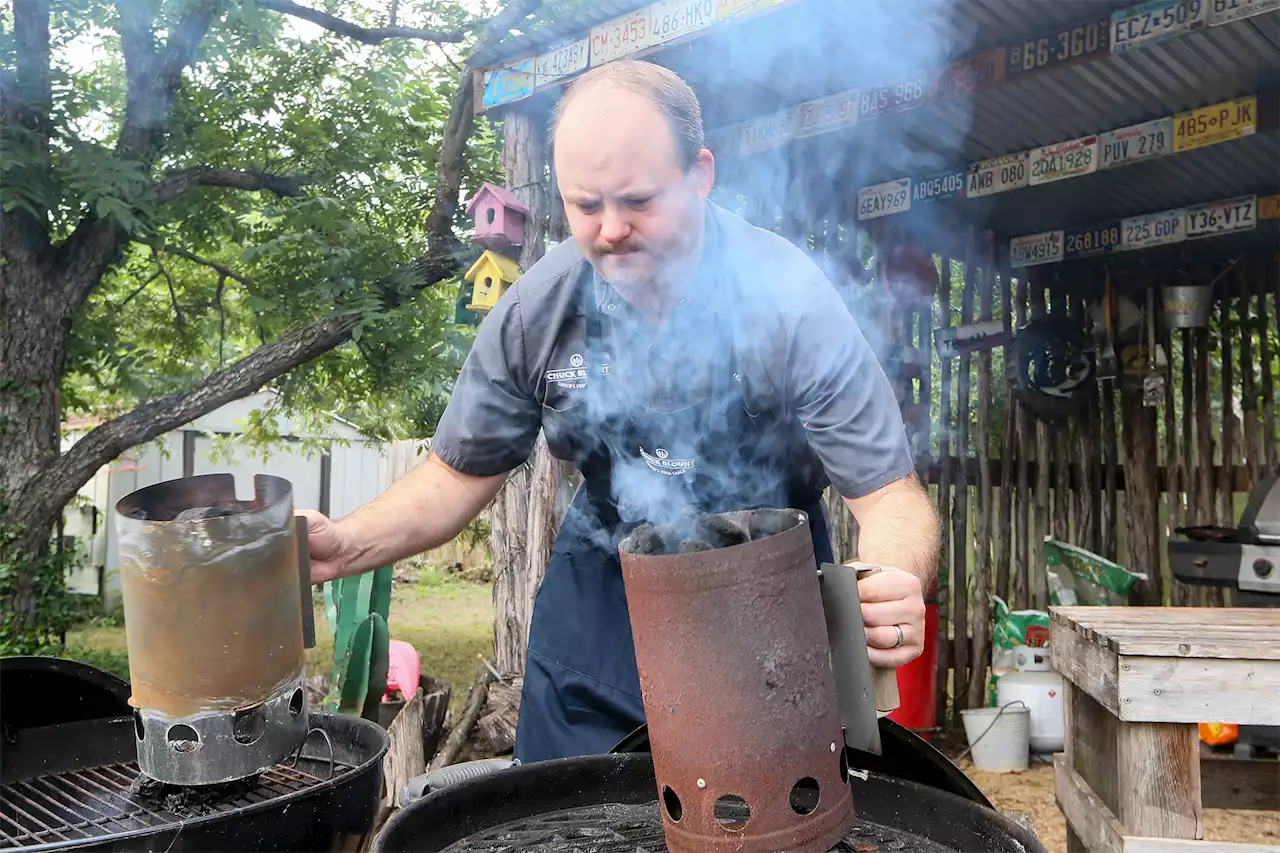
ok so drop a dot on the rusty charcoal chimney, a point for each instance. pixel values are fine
(731, 645)
(214, 616)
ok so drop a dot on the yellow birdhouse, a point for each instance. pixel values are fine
(490, 275)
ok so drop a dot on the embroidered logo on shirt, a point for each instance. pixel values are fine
(659, 461)
(575, 376)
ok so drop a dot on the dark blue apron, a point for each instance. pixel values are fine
(581, 690)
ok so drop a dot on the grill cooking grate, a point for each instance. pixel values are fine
(638, 829)
(98, 801)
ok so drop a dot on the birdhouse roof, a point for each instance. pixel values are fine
(507, 268)
(504, 196)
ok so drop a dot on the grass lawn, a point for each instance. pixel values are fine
(447, 619)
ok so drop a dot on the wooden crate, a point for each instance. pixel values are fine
(1137, 680)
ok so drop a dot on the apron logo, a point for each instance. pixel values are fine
(659, 461)
(573, 377)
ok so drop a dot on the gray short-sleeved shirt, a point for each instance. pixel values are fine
(798, 354)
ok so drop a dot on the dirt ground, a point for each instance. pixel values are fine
(1031, 793)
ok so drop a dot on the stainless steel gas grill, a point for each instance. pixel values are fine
(1245, 558)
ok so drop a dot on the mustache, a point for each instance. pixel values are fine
(617, 248)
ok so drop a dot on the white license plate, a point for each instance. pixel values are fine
(1063, 160)
(671, 19)
(884, 199)
(1154, 21)
(1153, 229)
(1034, 249)
(567, 57)
(768, 132)
(988, 177)
(905, 94)
(946, 185)
(1221, 217)
(1134, 143)
(621, 37)
(824, 114)
(1226, 11)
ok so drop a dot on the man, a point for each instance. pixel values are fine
(679, 357)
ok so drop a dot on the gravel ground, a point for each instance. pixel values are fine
(1031, 793)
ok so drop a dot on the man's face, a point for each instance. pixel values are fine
(633, 208)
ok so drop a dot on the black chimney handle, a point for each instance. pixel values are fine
(304, 583)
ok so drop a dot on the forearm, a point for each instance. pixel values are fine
(900, 529)
(424, 509)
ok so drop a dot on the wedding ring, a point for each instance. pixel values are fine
(898, 628)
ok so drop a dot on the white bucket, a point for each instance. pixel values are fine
(999, 738)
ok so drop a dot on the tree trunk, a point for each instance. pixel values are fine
(32, 351)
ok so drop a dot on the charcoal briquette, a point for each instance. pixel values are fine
(646, 540)
(719, 531)
(765, 524)
(692, 546)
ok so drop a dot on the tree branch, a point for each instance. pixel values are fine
(26, 103)
(223, 271)
(174, 185)
(65, 474)
(365, 35)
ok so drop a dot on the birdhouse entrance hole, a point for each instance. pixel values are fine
(488, 282)
(490, 215)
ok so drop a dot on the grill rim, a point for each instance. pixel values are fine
(435, 822)
(164, 820)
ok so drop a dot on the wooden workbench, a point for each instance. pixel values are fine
(1137, 680)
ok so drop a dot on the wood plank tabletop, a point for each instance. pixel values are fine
(1181, 632)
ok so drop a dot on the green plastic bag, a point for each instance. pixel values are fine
(1013, 628)
(1080, 577)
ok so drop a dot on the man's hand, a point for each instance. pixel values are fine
(325, 540)
(892, 597)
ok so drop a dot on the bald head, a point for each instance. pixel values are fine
(661, 87)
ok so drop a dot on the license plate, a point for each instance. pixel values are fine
(824, 114)
(1035, 249)
(1081, 42)
(1226, 11)
(1269, 207)
(724, 142)
(512, 83)
(1134, 143)
(973, 74)
(1093, 240)
(621, 37)
(905, 94)
(1154, 21)
(768, 132)
(1222, 217)
(566, 58)
(940, 187)
(1153, 229)
(1063, 160)
(884, 199)
(726, 9)
(1217, 123)
(671, 19)
(988, 177)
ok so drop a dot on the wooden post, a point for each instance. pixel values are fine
(526, 514)
(1039, 578)
(979, 625)
(1140, 492)
(1004, 544)
(944, 499)
(1084, 522)
(1268, 437)
(1022, 550)
(1204, 426)
(1187, 594)
(1107, 517)
(1180, 594)
(1060, 435)
(1248, 390)
(1226, 513)
(961, 549)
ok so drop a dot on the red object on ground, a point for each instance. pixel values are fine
(403, 668)
(918, 680)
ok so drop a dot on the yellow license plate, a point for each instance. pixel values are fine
(1269, 207)
(1213, 124)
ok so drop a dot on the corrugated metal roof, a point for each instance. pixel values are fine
(812, 48)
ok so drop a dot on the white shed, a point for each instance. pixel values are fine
(355, 469)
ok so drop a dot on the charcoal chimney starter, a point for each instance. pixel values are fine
(213, 602)
(739, 694)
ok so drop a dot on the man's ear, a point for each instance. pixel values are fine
(703, 173)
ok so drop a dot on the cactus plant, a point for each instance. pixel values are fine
(357, 609)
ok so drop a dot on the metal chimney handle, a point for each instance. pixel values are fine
(304, 582)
